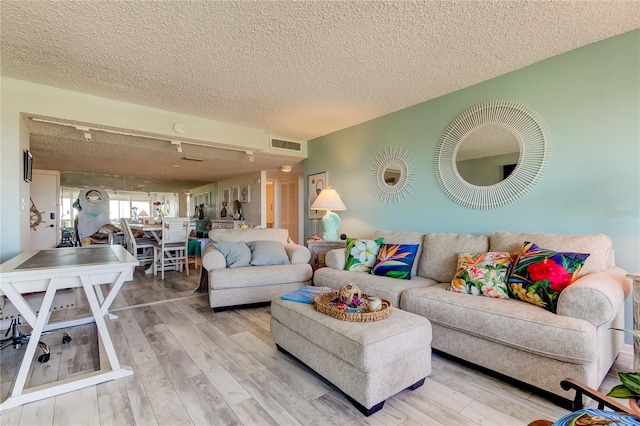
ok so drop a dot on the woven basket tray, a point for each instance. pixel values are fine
(323, 304)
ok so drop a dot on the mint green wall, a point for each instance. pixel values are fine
(590, 100)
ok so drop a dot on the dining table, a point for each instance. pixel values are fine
(150, 230)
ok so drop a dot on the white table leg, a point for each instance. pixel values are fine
(37, 326)
(110, 369)
(103, 332)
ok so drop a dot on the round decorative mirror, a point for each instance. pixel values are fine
(492, 154)
(487, 155)
(392, 175)
(93, 196)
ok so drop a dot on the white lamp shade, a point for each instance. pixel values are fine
(328, 200)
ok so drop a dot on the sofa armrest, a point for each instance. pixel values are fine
(212, 258)
(336, 258)
(595, 297)
(297, 253)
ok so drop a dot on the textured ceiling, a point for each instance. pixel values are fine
(297, 69)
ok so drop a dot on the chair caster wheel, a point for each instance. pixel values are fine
(44, 358)
(66, 339)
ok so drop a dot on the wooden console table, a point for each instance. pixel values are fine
(52, 270)
(319, 249)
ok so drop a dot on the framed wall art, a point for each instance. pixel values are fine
(244, 194)
(28, 166)
(235, 193)
(226, 195)
(317, 182)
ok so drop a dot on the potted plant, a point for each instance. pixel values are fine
(630, 387)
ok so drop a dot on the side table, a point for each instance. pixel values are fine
(636, 317)
(319, 248)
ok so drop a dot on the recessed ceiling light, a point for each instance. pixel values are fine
(176, 165)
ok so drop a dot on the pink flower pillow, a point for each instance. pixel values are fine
(483, 274)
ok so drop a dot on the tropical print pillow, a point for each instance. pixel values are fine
(540, 275)
(483, 274)
(395, 260)
(361, 254)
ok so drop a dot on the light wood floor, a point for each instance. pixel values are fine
(194, 366)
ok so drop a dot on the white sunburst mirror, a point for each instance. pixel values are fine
(492, 154)
(391, 174)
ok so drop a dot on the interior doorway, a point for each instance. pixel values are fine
(270, 205)
(289, 203)
(283, 209)
(43, 191)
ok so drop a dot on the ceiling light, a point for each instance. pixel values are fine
(286, 169)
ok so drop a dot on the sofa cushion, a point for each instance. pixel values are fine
(385, 287)
(268, 253)
(540, 275)
(395, 260)
(392, 237)
(439, 258)
(483, 274)
(258, 276)
(599, 247)
(509, 322)
(361, 254)
(236, 255)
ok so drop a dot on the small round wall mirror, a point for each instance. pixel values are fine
(492, 154)
(391, 175)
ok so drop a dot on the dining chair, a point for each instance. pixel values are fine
(141, 248)
(172, 250)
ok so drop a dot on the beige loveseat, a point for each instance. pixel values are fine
(516, 339)
(233, 286)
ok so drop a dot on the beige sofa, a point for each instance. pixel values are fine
(513, 338)
(230, 287)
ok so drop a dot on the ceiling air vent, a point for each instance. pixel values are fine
(287, 145)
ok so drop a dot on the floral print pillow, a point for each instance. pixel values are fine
(395, 260)
(540, 275)
(483, 274)
(361, 254)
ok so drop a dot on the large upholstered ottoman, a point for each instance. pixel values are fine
(369, 362)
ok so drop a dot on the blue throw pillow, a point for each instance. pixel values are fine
(395, 260)
(268, 253)
(237, 254)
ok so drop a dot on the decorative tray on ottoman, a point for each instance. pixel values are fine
(349, 304)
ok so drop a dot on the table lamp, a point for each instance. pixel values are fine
(143, 214)
(329, 200)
